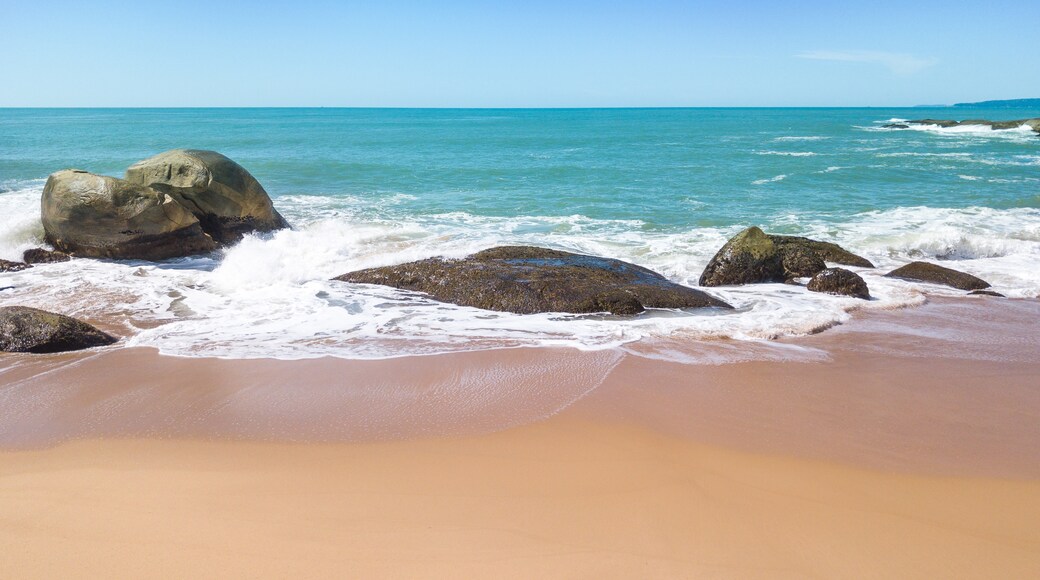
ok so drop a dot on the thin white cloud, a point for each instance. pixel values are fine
(898, 63)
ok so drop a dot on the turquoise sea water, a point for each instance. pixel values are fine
(660, 187)
(667, 167)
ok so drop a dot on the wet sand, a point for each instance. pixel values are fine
(903, 444)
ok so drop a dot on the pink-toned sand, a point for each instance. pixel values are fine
(903, 444)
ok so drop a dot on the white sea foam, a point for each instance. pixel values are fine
(801, 138)
(775, 178)
(788, 153)
(271, 296)
(925, 154)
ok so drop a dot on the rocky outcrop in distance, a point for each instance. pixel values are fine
(1033, 124)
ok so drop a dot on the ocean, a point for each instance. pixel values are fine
(663, 188)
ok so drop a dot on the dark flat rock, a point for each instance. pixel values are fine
(527, 280)
(24, 329)
(935, 274)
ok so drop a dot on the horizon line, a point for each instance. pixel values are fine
(376, 107)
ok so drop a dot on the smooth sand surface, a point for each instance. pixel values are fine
(556, 499)
(903, 445)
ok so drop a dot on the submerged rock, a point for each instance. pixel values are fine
(24, 329)
(42, 256)
(934, 274)
(9, 266)
(754, 257)
(527, 280)
(106, 217)
(944, 123)
(839, 281)
(986, 293)
(227, 200)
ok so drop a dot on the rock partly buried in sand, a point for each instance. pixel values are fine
(226, 199)
(754, 257)
(839, 281)
(925, 272)
(526, 280)
(9, 266)
(42, 256)
(105, 217)
(24, 329)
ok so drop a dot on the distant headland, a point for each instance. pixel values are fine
(1004, 104)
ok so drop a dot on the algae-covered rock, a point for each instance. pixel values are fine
(105, 217)
(749, 257)
(24, 329)
(935, 274)
(227, 200)
(839, 281)
(755, 257)
(526, 280)
(799, 262)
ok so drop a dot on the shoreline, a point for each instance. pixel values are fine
(904, 443)
(888, 390)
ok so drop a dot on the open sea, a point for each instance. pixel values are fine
(663, 188)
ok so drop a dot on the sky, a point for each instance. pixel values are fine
(535, 53)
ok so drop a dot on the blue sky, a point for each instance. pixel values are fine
(528, 54)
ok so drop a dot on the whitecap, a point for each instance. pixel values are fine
(773, 179)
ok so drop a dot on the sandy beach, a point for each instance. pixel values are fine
(903, 444)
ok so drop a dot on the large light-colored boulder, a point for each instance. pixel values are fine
(226, 199)
(106, 217)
